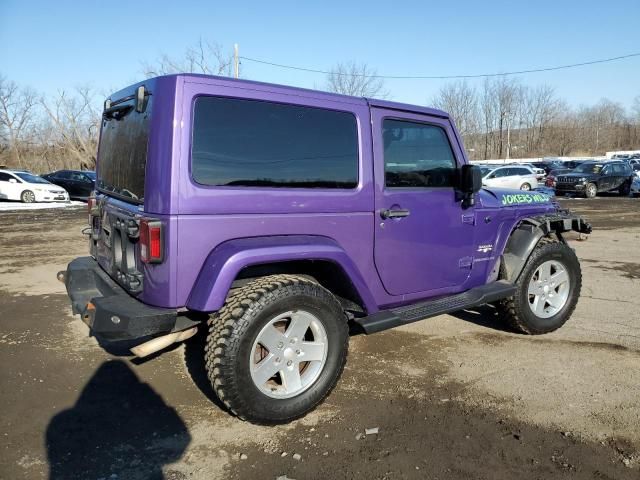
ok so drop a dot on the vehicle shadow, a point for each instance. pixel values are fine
(484, 316)
(118, 428)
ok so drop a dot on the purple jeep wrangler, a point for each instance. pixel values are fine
(275, 218)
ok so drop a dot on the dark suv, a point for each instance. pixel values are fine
(271, 219)
(79, 183)
(590, 178)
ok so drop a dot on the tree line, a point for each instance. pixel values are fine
(504, 118)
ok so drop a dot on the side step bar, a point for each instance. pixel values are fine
(395, 317)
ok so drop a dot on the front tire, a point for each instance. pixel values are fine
(276, 349)
(525, 187)
(28, 196)
(591, 190)
(547, 290)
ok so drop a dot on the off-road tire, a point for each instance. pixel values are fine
(516, 311)
(234, 328)
(27, 197)
(590, 190)
(528, 187)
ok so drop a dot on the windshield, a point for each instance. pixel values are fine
(122, 153)
(27, 177)
(589, 168)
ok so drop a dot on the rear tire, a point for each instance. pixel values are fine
(591, 190)
(27, 197)
(625, 189)
(547, 290)
(257, 332)
(525, 187)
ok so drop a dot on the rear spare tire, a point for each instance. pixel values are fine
(547, 290)
(276, 348)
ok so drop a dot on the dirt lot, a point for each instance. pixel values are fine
(452, 397)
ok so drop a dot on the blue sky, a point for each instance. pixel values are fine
(52, 45)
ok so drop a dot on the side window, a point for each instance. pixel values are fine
(416, 155)
(262, 144)
(524, 171)
(5, 177)
(63, 175)
(501, 172)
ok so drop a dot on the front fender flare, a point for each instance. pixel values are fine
(528, 233)
(226, 260)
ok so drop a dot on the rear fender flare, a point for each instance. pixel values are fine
(225, 261)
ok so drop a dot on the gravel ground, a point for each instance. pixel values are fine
(456, 396)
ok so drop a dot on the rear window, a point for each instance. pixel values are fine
(122, 153)
(262, 144)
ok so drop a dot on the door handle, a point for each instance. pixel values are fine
(385, 214)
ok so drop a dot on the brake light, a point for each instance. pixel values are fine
(151, 247)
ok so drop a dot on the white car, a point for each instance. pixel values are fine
(635, 184)
(510, 176)
(540, 173)
(28, 188)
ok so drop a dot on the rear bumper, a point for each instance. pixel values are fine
(110, 312)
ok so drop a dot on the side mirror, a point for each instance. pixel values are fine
(470, 182)
(470, 179)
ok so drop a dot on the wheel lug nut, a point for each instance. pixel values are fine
(289, 363)
(293, 340)
(280, 344)
(277, 359)
(297, 352)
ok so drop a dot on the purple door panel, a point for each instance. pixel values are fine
(432, 247)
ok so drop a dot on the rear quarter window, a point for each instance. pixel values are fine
(251, 143)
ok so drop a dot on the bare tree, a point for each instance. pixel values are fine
(635, 108)
(17, 110)
(355, 79)
(461, 102)
(204, 57)
(74, 123)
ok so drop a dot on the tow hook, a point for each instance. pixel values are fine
(61, 276)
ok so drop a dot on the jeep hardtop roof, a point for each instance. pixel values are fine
(306, 92)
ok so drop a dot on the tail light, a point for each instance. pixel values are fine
(151, 241)
(91, 203)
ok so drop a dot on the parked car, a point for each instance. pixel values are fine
(263, 222)
(28, 188)
(511, 176)
(540, 172)
(79, 183)
(593, 177)
(550, 181)
(549, 165)
(635, 184)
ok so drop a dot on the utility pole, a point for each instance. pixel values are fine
(508, 139)
(236, 61)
